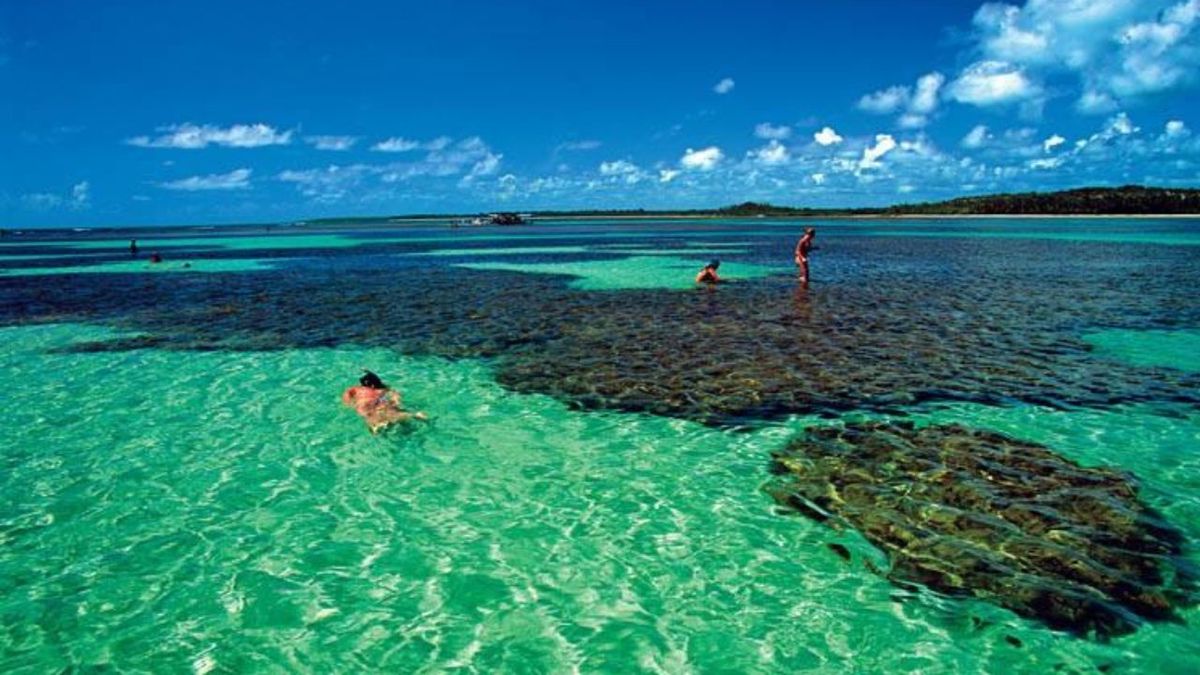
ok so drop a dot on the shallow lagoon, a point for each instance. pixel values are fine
(182, 489)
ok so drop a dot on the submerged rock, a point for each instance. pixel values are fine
(975, 513)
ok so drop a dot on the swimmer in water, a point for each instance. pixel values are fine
(378, 404)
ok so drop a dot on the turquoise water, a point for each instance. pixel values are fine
(182, 489)
(1170, 349)
(637, 271)
(221, 511)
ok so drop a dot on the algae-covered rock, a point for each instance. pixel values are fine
(975, 513)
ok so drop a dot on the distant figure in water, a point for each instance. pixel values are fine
(133, 249)
(802, 248)
(378, 404)
(708, 275)
(155, 257)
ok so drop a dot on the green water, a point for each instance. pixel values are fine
(171, 511)
(1171, 349)
(639, 271)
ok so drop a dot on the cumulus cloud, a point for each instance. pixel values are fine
(989, 83)
(625, 171)
(768, 131)
(817, 178)
(396, 144)
(468, 159)
(976, 138)
(1052, 142)
(772, 154)
(1117, 49)
(238, 179)
(884, 101)
(925, 99)
(192, 137)
(827, 136)
(884, 143)
(1176, 129)
(704, 159)
(724, 86)
(336, 143)
(667, 175)
(915, 103)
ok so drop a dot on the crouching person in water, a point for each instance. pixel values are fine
(708, 275)
(378, 404)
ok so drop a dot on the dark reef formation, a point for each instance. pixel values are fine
(974, 513)
(890, 324)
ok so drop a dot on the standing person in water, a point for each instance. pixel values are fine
(802, 248)
(133, 249)
(708, 275)
(378, 404)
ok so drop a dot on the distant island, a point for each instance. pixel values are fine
(1091, 201)
(1126, 200)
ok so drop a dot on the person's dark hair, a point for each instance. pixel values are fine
(371, 380)
(714, 264)
(810, 230)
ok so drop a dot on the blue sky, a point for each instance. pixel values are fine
(141, 113)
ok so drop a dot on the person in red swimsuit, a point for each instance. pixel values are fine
(378, 404)
(802, 248)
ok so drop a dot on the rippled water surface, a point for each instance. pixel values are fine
(182, 490)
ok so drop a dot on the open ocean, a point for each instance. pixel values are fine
(600, 486)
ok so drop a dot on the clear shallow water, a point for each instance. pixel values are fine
(198, 498)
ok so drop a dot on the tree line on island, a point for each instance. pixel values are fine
(1126, 200)
(1098, 201)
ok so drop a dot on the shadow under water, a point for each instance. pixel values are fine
(975, 513)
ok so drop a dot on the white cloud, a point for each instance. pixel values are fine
(991, 83)
(724, 86)
(1052, 142)
(1095, 102)
(1046, 163)
(667, 175)
(81, 194)
(193, 137)
(396, 144)
(767, 131)
(1176, 129)
(771, 154)
(827, 136)
(818, 178)
(977, 137)
(916, 103)
(871, 155)
(237, 179)
(575, 146)
(1121, 124)
(885, 101)
(329, 184)
(704, 159)
(336, 143)
(627, 172)
(925, 99)
(78, 198)
(1117, 49)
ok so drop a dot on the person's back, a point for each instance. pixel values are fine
(378, 404)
